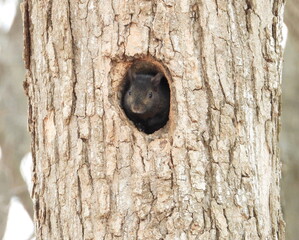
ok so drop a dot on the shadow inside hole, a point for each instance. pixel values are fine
(146, 97)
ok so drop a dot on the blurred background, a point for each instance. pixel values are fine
(15, 159)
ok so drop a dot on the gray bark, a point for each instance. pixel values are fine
(211, 173)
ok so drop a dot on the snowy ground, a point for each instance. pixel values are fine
(18, 216)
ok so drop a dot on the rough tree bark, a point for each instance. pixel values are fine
(211, 173)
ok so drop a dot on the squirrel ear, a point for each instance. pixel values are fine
(156, 79)
(131, 75)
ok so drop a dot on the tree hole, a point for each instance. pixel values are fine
(146, 96)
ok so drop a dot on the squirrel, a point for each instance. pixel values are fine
(146, 101)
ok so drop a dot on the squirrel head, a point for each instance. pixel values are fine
(143, 95)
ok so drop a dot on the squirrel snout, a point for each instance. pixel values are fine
(138, 109)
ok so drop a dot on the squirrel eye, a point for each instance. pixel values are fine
(150, 95)
(130, 92)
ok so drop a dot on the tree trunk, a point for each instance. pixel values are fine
(211, 173)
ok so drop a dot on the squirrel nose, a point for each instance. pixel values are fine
(137, 108)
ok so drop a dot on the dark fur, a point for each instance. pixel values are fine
(148, 113)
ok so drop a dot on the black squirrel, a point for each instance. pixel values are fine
(146, 100)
